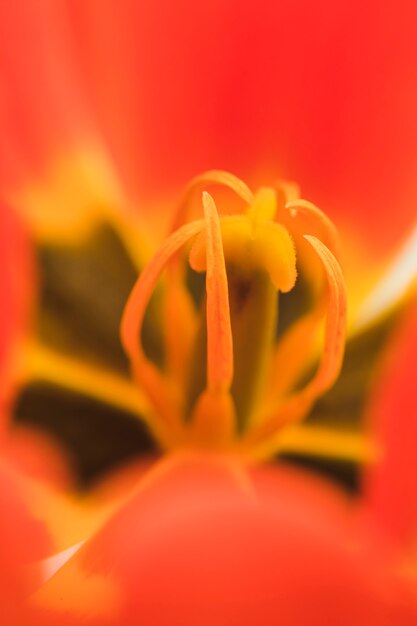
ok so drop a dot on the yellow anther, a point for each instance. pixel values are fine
(269, 247)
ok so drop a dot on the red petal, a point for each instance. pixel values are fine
(204, 542)
(22, 539)
(324, 94)
(392, 484)
(42, 110)
(16, 284)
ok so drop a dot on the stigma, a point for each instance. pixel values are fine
(234, 375)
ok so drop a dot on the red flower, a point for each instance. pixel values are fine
(107, 108)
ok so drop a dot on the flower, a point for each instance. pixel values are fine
(205, 537)
(83, 174)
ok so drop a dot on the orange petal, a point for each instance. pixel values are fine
(23, 541)
(43, 109)
(246, 555)
(16, 287)
(391, 485)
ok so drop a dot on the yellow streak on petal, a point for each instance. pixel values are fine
(319, 442)
(219, 330)
(40, 362)
(75, 191)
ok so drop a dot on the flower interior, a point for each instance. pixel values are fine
(235, 372)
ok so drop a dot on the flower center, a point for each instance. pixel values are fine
(232, 377)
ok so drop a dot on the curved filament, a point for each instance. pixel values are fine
(199, 183)
(180, 323)
(131, 325)
(286, 365)
(335, 331)
(316, 223)
(297, 404)
(287, 191)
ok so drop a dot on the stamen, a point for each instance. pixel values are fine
(219, 331)
(181, 323)
(201, 182)
(270, 248)
(287, 191)
(296, 406)
(179, 333)
(147, 374)
(335, 332)
(214, 419)
(316, 223)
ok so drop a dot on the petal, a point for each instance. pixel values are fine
(16, 286)
(42, 108)
(391, 485)
(205, 542)
(326, 101)
(24, 538)
(331, 106)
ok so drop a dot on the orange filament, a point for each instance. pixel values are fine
(151, 379)
(296, 406)
(315, 222)
(219, 331)
(200, 184)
